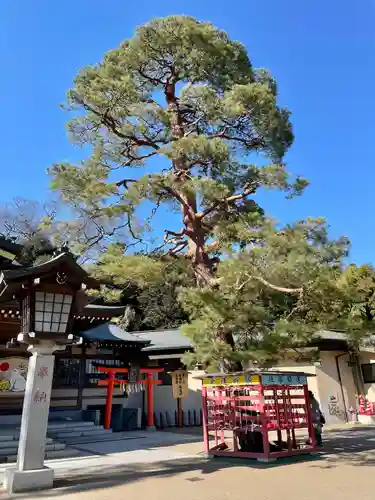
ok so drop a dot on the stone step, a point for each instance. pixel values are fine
(56, 426)
(69, 424)
(8, 437)
(12, 450)
(96, 431)
(92, 439)
(67, 453)
(9, 441)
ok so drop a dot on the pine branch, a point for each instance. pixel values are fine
(175, 194)
(296, 291)
(110, 122)
(177, 248)
(254, 143)
(178, 234)
(224, 201)
(124, 182)
(298, 308)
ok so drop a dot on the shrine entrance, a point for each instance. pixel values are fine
(134, 377)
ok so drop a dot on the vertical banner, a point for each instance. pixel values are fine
(133, 377)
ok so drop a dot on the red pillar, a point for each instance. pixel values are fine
(108, 406)
(150, 401)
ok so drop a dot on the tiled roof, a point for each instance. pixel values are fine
(337, 335)
(164, 340)
(110, 332)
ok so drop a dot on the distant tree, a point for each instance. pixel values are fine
(25, 222)
(148, 286)
(354, 312)
(357, 308)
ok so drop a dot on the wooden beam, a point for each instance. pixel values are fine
(106, 369)
(104, 383)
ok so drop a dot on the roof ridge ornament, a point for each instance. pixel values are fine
(61, 278)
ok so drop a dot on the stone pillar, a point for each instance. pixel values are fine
(30, 473)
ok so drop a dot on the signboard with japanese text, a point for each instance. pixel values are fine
(251, 379)
(246, 379)
(134, 374)
(288, 379)
(180, 384)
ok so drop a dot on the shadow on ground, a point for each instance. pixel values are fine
(95, 478)
(350, 447)
(354, 446)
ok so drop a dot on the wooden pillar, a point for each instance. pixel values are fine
(81, 377)
(108, 406)
(150, 402)
(180, 422)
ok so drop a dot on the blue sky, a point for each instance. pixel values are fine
(321, 53)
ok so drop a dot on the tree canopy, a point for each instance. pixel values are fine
(356, 315)
(25, 222)
(178, 118)
(274, 297)
(148, 286)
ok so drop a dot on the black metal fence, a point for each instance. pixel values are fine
(82, 372)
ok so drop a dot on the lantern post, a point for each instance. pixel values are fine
(47, 295)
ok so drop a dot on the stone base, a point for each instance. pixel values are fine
(16, 481)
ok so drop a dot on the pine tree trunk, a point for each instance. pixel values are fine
(202, 263)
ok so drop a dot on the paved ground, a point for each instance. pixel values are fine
(169, 467)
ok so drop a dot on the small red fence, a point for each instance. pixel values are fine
(257, 415)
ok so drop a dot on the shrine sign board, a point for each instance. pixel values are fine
(229, 380)
(266, 379)
(180, 386)
(279, 379)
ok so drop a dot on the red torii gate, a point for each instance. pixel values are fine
(111, 381)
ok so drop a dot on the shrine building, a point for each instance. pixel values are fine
(78, 376)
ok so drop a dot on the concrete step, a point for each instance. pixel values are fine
(13, 441)
(12, 450)
(96, 431)
(67, 453)
(65, 425)
(101, 438)
(69, 424)
(8, 437)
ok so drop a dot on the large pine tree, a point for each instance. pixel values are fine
(182, 92)
(178, 117)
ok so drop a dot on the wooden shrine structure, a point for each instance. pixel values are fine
(81, 371)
